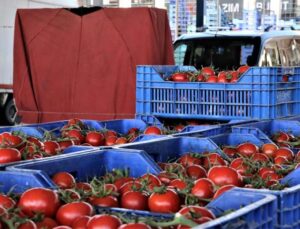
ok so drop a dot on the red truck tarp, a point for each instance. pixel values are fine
(67, 65)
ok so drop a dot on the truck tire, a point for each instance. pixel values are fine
(10, 112)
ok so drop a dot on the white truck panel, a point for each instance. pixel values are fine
(7, 19)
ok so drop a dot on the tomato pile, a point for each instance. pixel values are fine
(16, 146)
(208, 74)
(286, 140)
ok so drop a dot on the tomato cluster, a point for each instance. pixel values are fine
(286, 140)
(207, 74)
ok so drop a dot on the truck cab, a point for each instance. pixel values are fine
(228, 50)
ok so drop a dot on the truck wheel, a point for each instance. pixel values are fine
(10, 112)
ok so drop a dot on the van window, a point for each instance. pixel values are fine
(223, 53)
(179, 54)
(270, 55)
(289, 51)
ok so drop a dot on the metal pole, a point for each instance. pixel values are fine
(199, 14)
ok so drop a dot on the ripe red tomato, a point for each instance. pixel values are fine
(150, 181)
(200, 78)
(46, 223)
(106, 201)
(269, 149)
(32, 141)
(110, 140)
(203, 188)
(207, 71)
(222, 175)
(167, 202)
(67, 143)
(104, 221)
(6, 202)
(121, 140)
(135, 200)
(75, 121)
(12, 140)
(64, 180)
(129, 186)
(134, 226)
(284, 152)
(230, 151)
(8, 155)
(222, 78)
(95, 138)
(153, 130)
(263, 170)
(281, 137)
(242, 69)
(240, 166)
(67, 213)
(178, 183)
(62, 227)
(81, 222)
(83, 186)
(280, 160)
(29, 224)
(75, 134)
(212, 159)
(119, 182)
(179, 77)
(195, 172)
(247, 149)
(221, 190)
(166, 177)
(189, 159)
(192, 212)
(110, 133)
(260, 157)
(212, 79)
(40, 200)
(51, 147)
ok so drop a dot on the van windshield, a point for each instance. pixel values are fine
(223, 53)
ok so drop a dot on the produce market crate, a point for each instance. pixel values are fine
(244, 210)
(170, 149)
(83, 166)
(264, 130)
(288, 201)
(260, 93)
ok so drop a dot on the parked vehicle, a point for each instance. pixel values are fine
(227, 50)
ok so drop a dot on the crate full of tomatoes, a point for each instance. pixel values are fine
(245, 94)
(127, 187)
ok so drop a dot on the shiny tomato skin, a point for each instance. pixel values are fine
(247, 149)
(81, 222)
(6, 202)
(152, 130)
(221, 190)
(95, 138)
(240, 166)
(167, 202)
(207, 71)
(51, 148)
(76, 134)
(212, 79)
(83, 186)
(121, 181)
(75, 121)
(230, 152)
(134, 226)
(62, 227)
(179, 77)
(107, 201)
(110, 140)
(67, 143)
(280, 160)
(222, 175)
(242, 69)
(149, 178)
(46, 223)
(67, 213)
(8, 155)
(203, 188)
(212, 159)
(39, 200)
(121, 140)
(178, 184)
(104, 221)
(195, 172)
(201, 211)
(260, 157)
(29, 224)
(189, 159)
(129, 186)
(134, 200)
(284, 152)
(269, 149)
(64, 180)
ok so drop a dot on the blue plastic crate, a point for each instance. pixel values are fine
(169, 149)
(260, 93)
(264, 130)
(249, 211)
(288, 201)
(84, 166)
(234, 139)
